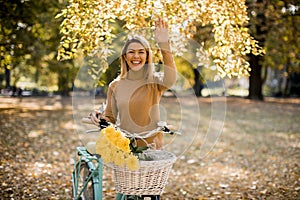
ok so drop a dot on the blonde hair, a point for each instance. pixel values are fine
(149, 63)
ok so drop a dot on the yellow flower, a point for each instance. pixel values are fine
(108, 130)
(101, 143)
(114, 140)
(132, 162)
(123, 144)
(108, 154)
(110, 133)
(119, 158)
(119, 133)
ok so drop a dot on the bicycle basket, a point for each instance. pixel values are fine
(151, 177)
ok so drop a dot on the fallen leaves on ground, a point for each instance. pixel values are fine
(256, 157)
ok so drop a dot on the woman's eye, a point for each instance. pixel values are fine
(133, 52)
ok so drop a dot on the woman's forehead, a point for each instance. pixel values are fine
(135, 46)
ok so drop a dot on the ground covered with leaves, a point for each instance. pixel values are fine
(257, 156)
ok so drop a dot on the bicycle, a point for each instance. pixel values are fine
(88, 169)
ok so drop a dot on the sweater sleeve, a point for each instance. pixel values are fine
(110, 112)
(169, 77)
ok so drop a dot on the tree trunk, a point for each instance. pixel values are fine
(287, 80)
(7, 77)
(63, 85)
(260, 30)
(294, 89)
(255, 79)
(198, 85)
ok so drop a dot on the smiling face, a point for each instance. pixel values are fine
(136, 56)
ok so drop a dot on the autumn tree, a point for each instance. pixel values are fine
(88, 28)
(17, 20)
(28, 41)
(283, 45)
(275, 24)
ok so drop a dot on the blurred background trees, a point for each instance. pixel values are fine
(32, 38)
(28, 42)
(275, 24)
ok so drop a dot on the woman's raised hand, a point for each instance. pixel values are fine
(161, 33)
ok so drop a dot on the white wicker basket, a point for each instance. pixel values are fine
(151, 177)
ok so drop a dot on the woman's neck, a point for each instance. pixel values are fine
(136, 75)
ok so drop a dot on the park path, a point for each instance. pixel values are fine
(257, 155)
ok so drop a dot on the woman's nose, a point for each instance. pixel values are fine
(135, 55)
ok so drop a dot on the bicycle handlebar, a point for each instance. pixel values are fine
(162, 126)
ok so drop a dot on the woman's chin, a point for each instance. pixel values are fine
(136, 68)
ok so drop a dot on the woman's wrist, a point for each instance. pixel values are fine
(163, 42)
(164, 46)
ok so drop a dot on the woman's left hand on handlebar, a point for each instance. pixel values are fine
(95, 117)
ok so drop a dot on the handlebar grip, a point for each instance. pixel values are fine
(102, 123)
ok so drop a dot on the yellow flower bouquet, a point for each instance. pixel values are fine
(115, 148)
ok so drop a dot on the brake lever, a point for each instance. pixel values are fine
(167, 130)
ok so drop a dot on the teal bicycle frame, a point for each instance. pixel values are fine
(95, 174)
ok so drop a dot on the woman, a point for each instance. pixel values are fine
(133, 98)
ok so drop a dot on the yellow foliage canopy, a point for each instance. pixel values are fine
(88, 26)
